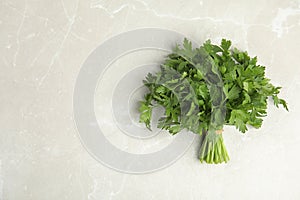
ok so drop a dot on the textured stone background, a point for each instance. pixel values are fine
(42, 47)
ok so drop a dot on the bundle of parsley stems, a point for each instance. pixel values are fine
(202, 89)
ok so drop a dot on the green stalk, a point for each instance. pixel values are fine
(203, 149)
(212, 149)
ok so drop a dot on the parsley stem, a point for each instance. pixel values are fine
(212, 149)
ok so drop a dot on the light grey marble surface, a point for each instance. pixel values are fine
(43, 45)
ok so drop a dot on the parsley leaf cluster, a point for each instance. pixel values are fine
(202, 89)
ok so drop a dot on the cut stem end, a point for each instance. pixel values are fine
(212, 149)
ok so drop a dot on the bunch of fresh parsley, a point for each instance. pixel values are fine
(202, 89)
